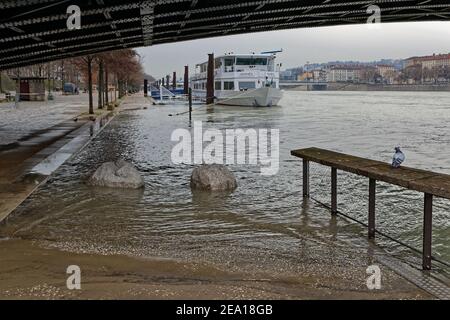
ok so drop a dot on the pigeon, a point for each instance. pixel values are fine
(399, 158)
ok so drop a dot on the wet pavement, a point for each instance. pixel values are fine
(29, 118)
(35, 139)
(29, 271)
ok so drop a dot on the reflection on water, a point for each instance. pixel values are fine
(267, 213)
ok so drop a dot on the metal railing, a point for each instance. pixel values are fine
(362, 199)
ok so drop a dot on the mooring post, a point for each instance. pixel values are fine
(334, 191)
(174, 81)
(372, 199)
(186, 79)
(190, 104)
(145, 88)
(210, 80)
(305, 178)
(100, 79)
(106, 91)
(427, 231)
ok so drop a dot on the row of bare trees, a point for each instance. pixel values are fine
(58, 72)
(420, 74)
(114, 72)
(435, 73)
(111, 73)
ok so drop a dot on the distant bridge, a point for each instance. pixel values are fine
(35, 31)
(306, 85)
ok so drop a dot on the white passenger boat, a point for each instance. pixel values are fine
(241, 80)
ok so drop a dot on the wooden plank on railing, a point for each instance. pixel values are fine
(415, 179)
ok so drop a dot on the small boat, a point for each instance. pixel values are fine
(162, 93)
(241, 80)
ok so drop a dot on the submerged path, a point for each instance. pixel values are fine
(18, 159)
(29, 271)
(37, 137)
(29, 133)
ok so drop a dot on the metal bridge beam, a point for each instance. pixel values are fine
(35, 31)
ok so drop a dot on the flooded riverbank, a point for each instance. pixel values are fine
(29, 271)
(264, 228)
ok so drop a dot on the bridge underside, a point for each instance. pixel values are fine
(35, 31)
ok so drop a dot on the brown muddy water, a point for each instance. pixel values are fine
(264, 224)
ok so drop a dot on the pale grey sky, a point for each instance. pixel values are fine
(355, 42)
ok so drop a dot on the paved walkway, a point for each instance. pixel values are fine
(30, 117)
(38, 131)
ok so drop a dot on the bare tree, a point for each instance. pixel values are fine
(85, 65)
(100, 81)
(124, 66)
(88, 60)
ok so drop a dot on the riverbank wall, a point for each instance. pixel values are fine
(386, 87)
(337, 86)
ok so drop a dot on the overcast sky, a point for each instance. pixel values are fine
(356, 42)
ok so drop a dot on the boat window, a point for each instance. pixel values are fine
(251, 61)
(229, 64)
(228, 85)
(217, 63)
(245, 85)
(218, 85)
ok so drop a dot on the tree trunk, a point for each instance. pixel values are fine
(49, 84)
(18, 86)
(62, 76)
(106, 87)
(1, 81)
(48, 80)
(115, 88)
(120, 89)
(91, 99)
(100, 85)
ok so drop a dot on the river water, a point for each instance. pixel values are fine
(265, 213)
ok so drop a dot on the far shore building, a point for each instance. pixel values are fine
(291, 74)
(343, 74)
(305, 76)
(362, 74)
(429, 69)
(319, 75)
(384, 69)
(429, 62)
(387, 72)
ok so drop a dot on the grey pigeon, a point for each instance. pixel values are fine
(399, 158)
